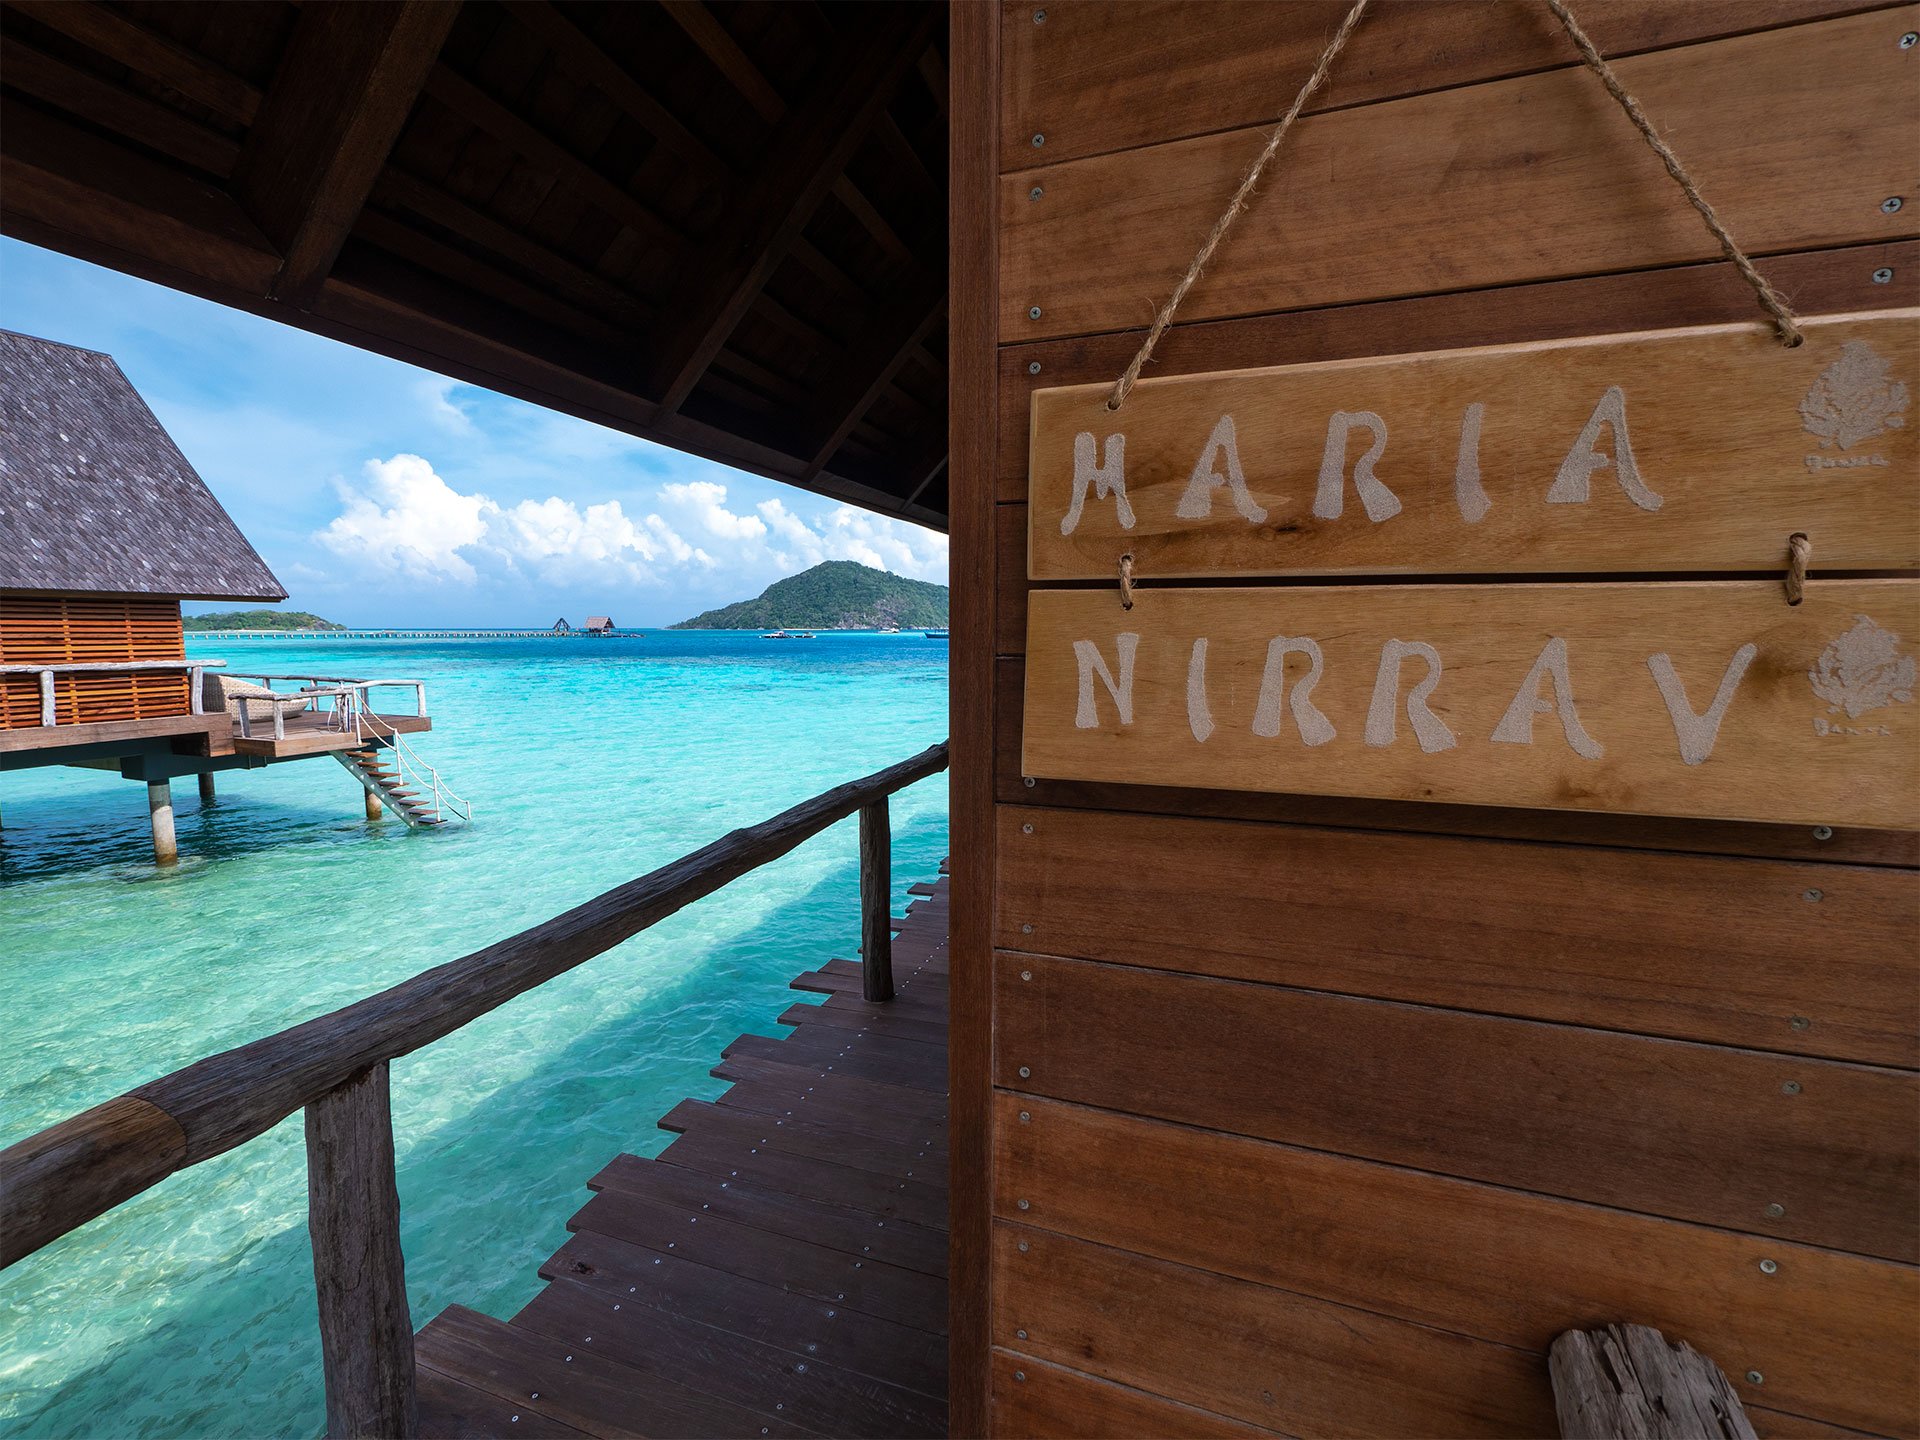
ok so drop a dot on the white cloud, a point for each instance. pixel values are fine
(706, 501)
(405, 520)
(409, 520)
(436, 393)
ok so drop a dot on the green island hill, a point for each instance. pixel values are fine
(834, 595)
(257, 620)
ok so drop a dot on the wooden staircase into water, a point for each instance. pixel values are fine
(382, 773)
(779, 1269)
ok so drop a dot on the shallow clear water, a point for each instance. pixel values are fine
(190, 1310)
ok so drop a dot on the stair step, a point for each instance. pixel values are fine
(397, 791)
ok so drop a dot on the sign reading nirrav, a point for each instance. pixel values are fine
(1668, 698)
(1697, 449)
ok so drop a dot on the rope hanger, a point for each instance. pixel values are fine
(1771, 300)
(1786, 329)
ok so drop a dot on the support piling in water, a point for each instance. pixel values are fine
(160, 812)
(373, 804)
(206, 787)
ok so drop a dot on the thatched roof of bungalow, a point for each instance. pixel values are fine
(94, 495)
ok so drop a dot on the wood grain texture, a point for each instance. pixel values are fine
(1032, 1397)
(1777, 127)
(1692, 1132)
(1723, 950)
(1854, 766)
(1836, 281)
(70, 1172)
(1269, 1357)
(1831, 1333)
(1823, 843)
(353, 1214)
(1720, 443)
(1629, 1381)
(1093, 77)
(973, 287)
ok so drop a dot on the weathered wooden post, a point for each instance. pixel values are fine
(206, 787)
(353, 1214)
(374, 811)
(160, 813)
(876, 901)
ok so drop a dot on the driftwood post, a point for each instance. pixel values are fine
(876, 901)
(353, 1213)
(1629, 1382)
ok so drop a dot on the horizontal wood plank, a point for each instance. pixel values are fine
(1270, 1357)
(1836, 281)
(1827, 1331)
(1838, 844)
(1692, 947)
(1093, 77)
(1773, 126)
(1664, 1127)
(1031, 1397)
(1682, 449)
(1418, 692)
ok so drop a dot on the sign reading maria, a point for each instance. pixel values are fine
(1625, 461)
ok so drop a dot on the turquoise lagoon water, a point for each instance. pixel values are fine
(189, 1311)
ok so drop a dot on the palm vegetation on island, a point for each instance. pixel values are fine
(834, 595)
(257, 620)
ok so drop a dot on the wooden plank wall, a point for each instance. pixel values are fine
(55, 630)
(1319, 1116)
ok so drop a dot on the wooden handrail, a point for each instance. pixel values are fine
(67, 1174)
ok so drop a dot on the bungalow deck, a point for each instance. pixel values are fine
(779, 1269)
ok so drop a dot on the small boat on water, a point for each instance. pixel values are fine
(935, 634)
(780, 635)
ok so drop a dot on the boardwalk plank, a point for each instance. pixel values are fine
(858, 1282)
(825, 1057)
(634, 1275)
(807, 1084)
(688, 1193)
(804, 1013)
(451, 1409)
(717, 1362)
(799, 1137)
(887, 1196)
(776, 1097)
(587, 1391)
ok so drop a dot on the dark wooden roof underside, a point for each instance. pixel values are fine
(94, 495)
(721, 226)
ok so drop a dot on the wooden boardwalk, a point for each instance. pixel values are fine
(779, 1269)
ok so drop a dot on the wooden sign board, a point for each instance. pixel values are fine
(1698, 449)
(1712, 699)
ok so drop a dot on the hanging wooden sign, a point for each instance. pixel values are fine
(1698, 449)
(1711, 699)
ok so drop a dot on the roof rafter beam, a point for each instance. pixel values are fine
(540, 150)
(873, 366)
(583, 55)
(808, 153)
(139, 49)
(346, 85)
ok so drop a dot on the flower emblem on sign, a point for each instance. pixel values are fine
(1863, 670)
(1855, 398)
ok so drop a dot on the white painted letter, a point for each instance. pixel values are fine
(1107, 479)
(1085, 717)
(1428, 728)
(1199, 717)
(1697, 733)
(1197, 503)
(1570, 486)
(1315, 728)
(1516, 726)
(1380, 502)
(1468, 493)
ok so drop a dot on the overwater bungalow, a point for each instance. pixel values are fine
(1435, 831)
(105, 527)
(599, 625)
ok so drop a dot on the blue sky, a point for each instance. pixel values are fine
(385, 494)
